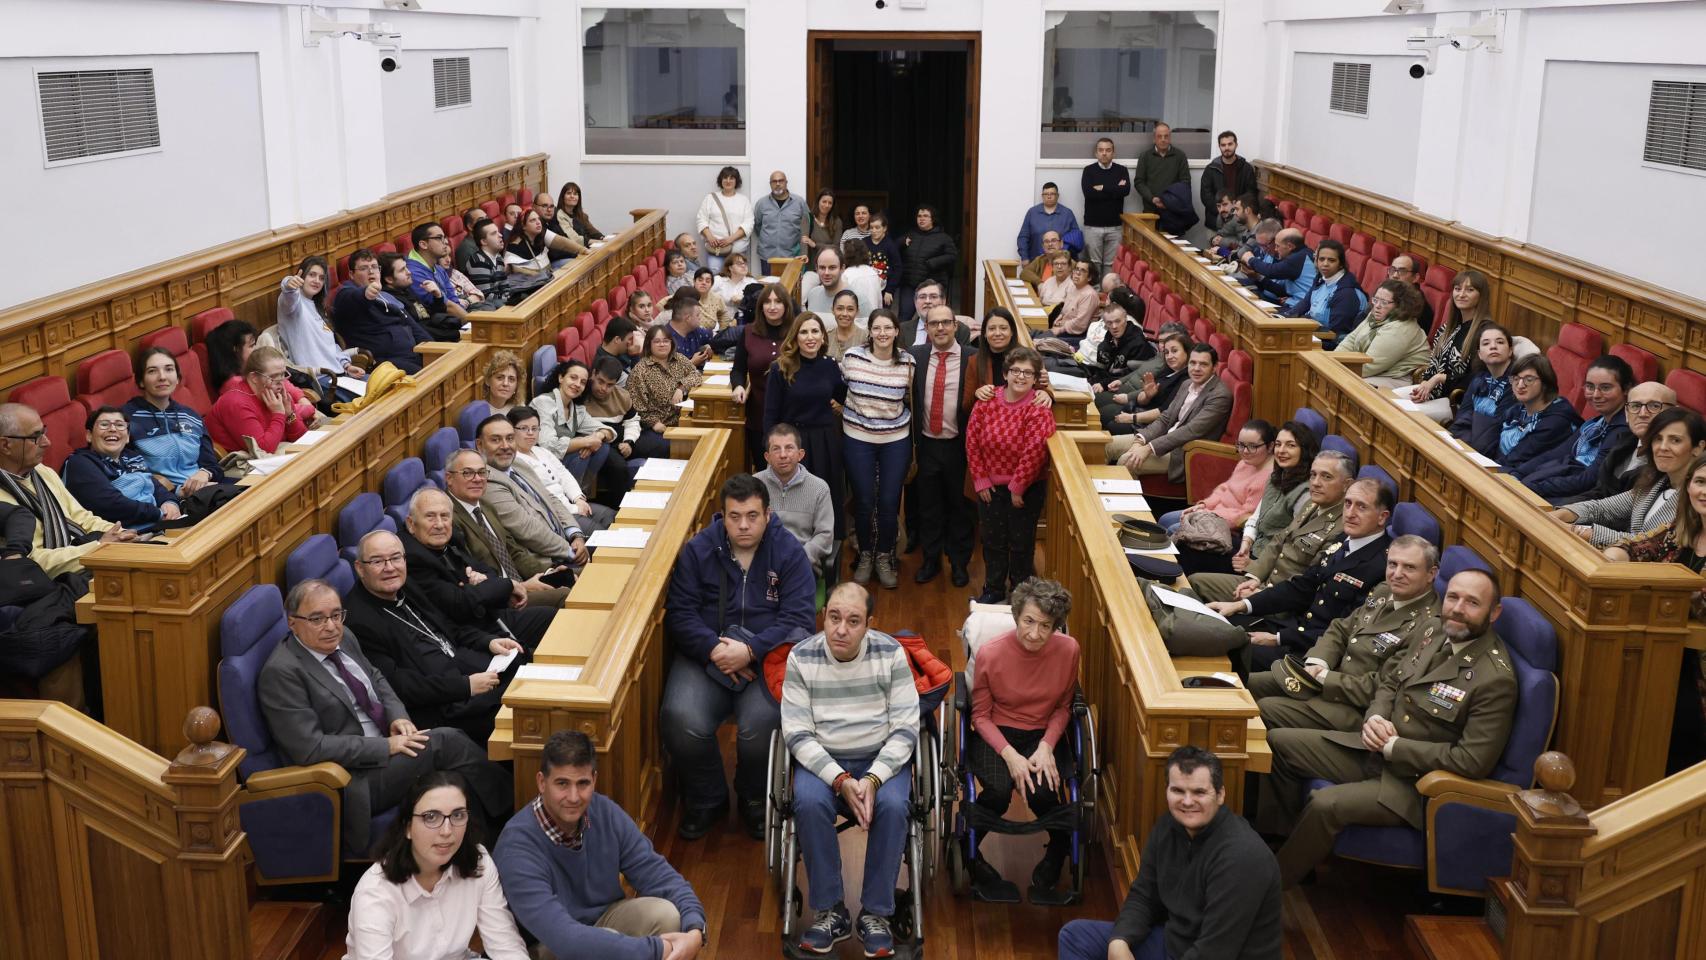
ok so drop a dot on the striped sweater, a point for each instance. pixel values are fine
(876, 409)
(866, 707)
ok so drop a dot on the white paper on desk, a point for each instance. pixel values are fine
(1168, 551)
(1014, 282)
(718, 366)
(686, 404)
(769, 279)
(1117, 486)
(645, 500)
(719, 380)
(1125, 502)
(1450, 440)
(357, 387)
(1181, 241)
(1228, 278)
(1179, 601)
(1202, 259)
(501, 662)
(311, 437)
(1408, 405)
(547, 671)
(631, 538)
(660, 468)
(266, 465)
(1066, 381)
(1485, 462)
(468, 327)
(1032, 312)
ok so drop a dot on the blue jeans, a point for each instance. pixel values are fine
(1089, 939)
(1171, 520)
(815, 807)
(694, 706)
(876, 472)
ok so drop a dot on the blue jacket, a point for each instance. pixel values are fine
(1524, 436)
(1288, 279)
(1039, 221)
(773, 599)
(174, 441)
(422, 271)
(1337, 308)
(1486, 402)
(1572, 469)
(381, 326)
(122, 490)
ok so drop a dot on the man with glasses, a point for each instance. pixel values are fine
(1403, 269)
(65, 529)
(446, 674)
(926, 297)
(939, 413)
(1621, 462)
(432, 286)
(491, 542)
(325, 701)
(780, 223)
(516, 496)
(1568, 470)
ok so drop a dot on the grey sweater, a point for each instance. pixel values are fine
(807, 510)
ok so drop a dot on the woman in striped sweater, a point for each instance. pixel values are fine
(1006, 458)
(876, 419)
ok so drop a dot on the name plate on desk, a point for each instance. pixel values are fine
(660, 468)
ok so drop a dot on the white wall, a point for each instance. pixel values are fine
(424, 143)
(1377, 152)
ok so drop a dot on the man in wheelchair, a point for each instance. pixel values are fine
(850, 718)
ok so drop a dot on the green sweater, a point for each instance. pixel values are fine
(1156, 173)
(1397, 348)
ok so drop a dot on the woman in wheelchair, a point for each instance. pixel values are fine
(1021, 703)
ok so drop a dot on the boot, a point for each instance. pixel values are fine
(862, 569)
(886, 571)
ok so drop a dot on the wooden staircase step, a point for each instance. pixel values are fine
(1449, 938)
(281, 930)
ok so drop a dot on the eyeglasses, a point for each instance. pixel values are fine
(104, 425)
(472, 474)
(1250, 447)
(939, 323)
(319, 620)
(1025, 372)
(395, 560)
(433, 819)
(275, 377)
(1382, 301)
(530, 429)
(35, 438)
(1527, 379)
(1591, 387)
(435, 236)
(1650, 406)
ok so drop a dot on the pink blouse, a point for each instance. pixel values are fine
(1239, 496)
(1080, 309)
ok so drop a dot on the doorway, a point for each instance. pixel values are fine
(892, 121)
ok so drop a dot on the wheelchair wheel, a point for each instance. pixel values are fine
(775, 798)
(959, 873)
(903, 922)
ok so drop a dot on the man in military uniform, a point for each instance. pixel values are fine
(1316, 524)
(1343, 671)
(1444, 706)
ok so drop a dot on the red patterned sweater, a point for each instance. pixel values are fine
(1007, 443)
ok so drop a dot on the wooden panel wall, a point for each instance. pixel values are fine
(1534, 290)
(53, 334)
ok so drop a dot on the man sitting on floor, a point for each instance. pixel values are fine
(850, 721)
(564, 857)
(1444, 706)
(1316, 524)
(1207, 885)
(1347, 663)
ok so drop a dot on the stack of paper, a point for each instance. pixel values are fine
(1117, 486)
(686, 404)
(357, 387)
(311, 437)
(1032, 312)
(1180, 601)
(1167, 551)
(548, 671)
(1125, 503)
(645, 500)
(1065, 381)
(266, 465)
(630, 538)
(659, 468)
(501, 662)
(719, 380)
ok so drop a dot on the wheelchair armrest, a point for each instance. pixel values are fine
(1440, 785)
(962, 693)
(282, 780)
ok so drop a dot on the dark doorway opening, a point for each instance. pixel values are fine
(893, 123)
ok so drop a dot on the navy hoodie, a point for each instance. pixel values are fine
(775, 598)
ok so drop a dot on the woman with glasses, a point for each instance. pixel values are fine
(259, 406)
(1396, 344)
(1541, 421)
(1673, 440)
(1007, 463)
(559, 482)
(432, 885)
(1570, 469)
(1236, 500)
(111, 478)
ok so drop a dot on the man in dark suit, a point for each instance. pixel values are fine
(441, 671)
(914, 332)
(466, 590)
(325, 702)
(492, 543)
(1199, 411)
(938, 431)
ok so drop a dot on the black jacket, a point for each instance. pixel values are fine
(1323, 592)
(1214, 181)
(1114, 359)
(1614, 475)
(441, 574)
(433, 687)
(929, 254)
(1217, 893)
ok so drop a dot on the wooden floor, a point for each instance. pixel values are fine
(1352, 912)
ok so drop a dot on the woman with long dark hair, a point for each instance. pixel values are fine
(755, 350)
(527, 254)
(1673, 440)
(877, 423)
(571, 219)
(1454, 345)
(303, 328)
(806, 390)
(825, 227)
(1294, 449)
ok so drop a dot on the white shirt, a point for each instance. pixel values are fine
(401, 921)
(739, 210)
(368, 727)
(559, 482)
(950, 392)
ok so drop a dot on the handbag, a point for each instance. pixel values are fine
(1204, 530)
(721, 249)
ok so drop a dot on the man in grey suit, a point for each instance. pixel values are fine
(324, 701)
(1198, 412)
(465, 480)
(521, 501)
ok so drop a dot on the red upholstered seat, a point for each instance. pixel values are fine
(404, 244)
(203, 323)
(1339, 232)
(192, 377)
(630, 284)
(1202, 329)
(525, 197)
(505, 200)
(1643, 362)
(1286, 208)
(1241, 406)
(600, 310)
(584, 323)
(1419, 262)
(619, 302)
(1221, 343)
(1239, 366)
(105, 378)
(1188, 315)
(1577, 347)
(62, 417)
(568, 341)
(1436, 289)
(1317, 231)
(1690, 387)
(452, 226)
(386, 247)
(1302, 218)
(492, 209)
(1373, 272)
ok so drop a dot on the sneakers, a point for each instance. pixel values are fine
(886, 572)
(829, 927)
(862, 568)
(875, 934)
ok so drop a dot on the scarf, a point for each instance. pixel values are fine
(57, 530)
(1588, 441)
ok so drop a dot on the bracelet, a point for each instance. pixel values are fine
(840, 779)
(876, 782)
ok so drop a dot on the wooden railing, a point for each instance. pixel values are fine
(1534, 290)
(53, 334)
(1625, 881)
(611, 628)
(535, 322)
(109, 849)
(157, 607)
(1621, 627)
(1274, 343)
(1073, 409)
(1143, 710)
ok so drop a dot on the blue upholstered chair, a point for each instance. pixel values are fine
(439, 446)
(317, 559)
(1455, 559)
(401, 482)
(1314, 421)
(290, 813)
(1333, 441)
(1413, 518)
(1470, 822)
(1380, 476)
(472, 413)
(361, 516)
(544, 364)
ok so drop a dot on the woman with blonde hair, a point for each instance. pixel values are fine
(502, 380)
(805, 389)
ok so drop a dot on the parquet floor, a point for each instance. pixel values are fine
(1352, 912)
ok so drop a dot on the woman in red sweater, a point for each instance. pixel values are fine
(1021, 701)
(1006, 454)
(258, 406)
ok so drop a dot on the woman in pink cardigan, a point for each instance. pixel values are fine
(1238, 497)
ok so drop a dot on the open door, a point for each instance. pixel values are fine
(820, 135)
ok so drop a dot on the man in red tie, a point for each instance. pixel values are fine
(938, 429)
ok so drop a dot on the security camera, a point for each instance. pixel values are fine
(881, 4)
(1424, 68)
(389, 64)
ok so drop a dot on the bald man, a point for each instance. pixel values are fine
(1290, 276)
(780, 223)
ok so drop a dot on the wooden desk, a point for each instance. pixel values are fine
(157, 607)
(1073, 409)
(1621, 626)
(714, 405)
(613, 632)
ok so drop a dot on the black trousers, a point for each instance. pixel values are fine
(997, 783)
(1009, 535)
(528, 625)
(944, 513)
